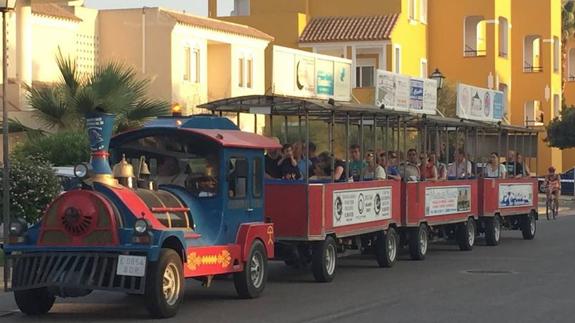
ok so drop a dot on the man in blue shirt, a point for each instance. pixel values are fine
(356, 165)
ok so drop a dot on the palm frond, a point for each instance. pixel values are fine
(70, 77)
(50, 108)
(143, 111)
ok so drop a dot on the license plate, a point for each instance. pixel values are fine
(131, 266)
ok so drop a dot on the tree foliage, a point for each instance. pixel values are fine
(33, 185)
(113, 88)
(65, 148)
(561, 131)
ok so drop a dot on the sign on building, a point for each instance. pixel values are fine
(403, 93)
(475, 103)
(303, 74)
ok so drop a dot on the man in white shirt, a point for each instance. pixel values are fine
(461, 167)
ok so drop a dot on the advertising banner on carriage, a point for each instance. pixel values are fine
(361, 205)
(308, 75)
(480, 104)
(515, 195)
(447, 200)
(403, 93)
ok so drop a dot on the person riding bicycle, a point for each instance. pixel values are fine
(553, 184)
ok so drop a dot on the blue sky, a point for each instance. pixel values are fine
(199, 7)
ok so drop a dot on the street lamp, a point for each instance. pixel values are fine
(5, 7)
(438, 76)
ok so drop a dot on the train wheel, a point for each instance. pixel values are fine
(386, 248)
(324, 260)
(251, 281)
(34, 301)
(492, 231)
(465, 235)
(528, 226)
(418, 240)
(165, 285)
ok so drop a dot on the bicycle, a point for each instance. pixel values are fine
(552, 204)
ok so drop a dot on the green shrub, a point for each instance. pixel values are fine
(33, 185)
(60, 149)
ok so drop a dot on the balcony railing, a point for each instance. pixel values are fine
(474, 52)
(528, 68)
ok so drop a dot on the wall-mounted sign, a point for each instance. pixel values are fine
(403, 93)
(308, 75)
(475, 103)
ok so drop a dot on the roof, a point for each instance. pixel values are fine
(218, 25)
(338, 29)
(54, 10)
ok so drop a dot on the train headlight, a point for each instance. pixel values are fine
(141, 226)
(81, 170)
(18, 227)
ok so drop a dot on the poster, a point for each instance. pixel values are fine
(324, 80)
(361, 205)
(342, 81)
(415, 95)
(481, 104)
(515, 195)
(447, 200)
(308, 75)
(401, 93)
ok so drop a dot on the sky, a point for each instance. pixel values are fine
(199, 7)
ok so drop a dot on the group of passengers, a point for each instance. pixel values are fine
(290, 163)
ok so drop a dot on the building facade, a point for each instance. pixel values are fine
(509, 45)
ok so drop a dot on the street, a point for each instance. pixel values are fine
(517, 281)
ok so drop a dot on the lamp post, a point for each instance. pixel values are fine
(5, 7)
(438, 76)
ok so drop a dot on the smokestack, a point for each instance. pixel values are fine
(100, 126)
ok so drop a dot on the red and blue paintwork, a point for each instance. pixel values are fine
(490, 202)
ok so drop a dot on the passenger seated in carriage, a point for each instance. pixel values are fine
(461, 167)
(288, 164)
(392, 166)
(372, 170)
(409, 170)
(356, 165)
(323, 169)
(494, 169)
(429, 170)
(272, 158)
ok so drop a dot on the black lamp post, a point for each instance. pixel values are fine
(5, 7)
(438, 76)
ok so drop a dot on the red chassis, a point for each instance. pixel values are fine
(437, 203)
(366, 207)
(496, 193)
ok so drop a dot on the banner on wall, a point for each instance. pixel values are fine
(303, 74)
(403, 93)
(475, 103)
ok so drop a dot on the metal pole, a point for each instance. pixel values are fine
(238, 119)
(331, 142)
(374, 136)
(5, 146)
(362, 148)
(286, 129)
(255, 123)
(346, 146)
(386, 136)
(271, 125)
(307, 154)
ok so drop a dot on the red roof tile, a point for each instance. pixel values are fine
(339, 29)
(54, 10)
(218, 25)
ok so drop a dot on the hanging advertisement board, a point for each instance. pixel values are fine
(475, 103)
(403, 93)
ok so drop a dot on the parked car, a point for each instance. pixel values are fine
(567, 182)
(67, 178)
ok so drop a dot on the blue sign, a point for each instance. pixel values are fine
(325, 80)
(416, 94)
(498, 106)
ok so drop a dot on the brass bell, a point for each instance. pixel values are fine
(143, 168)
(123, 169)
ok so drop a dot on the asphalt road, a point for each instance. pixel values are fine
(530, 281)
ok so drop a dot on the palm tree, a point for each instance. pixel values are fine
(568, 30)
(113, 88)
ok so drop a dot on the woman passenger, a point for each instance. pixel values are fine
(429, 168)
(373, 171)
(494, 169)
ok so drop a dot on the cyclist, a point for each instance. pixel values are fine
(553, 185)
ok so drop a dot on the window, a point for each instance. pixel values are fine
(556, 54)
(503, 37)
(423, 68)
(364, 76)
(187, 63)
(423, 11)
(258, 177)
(556, 106)
(532, 54)
(475, 36)
(533, 114)
(191, 64)
(241, 72)
(237, 177)
(571, 65)
(397, 57)
(250, 73)
(411, 9)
